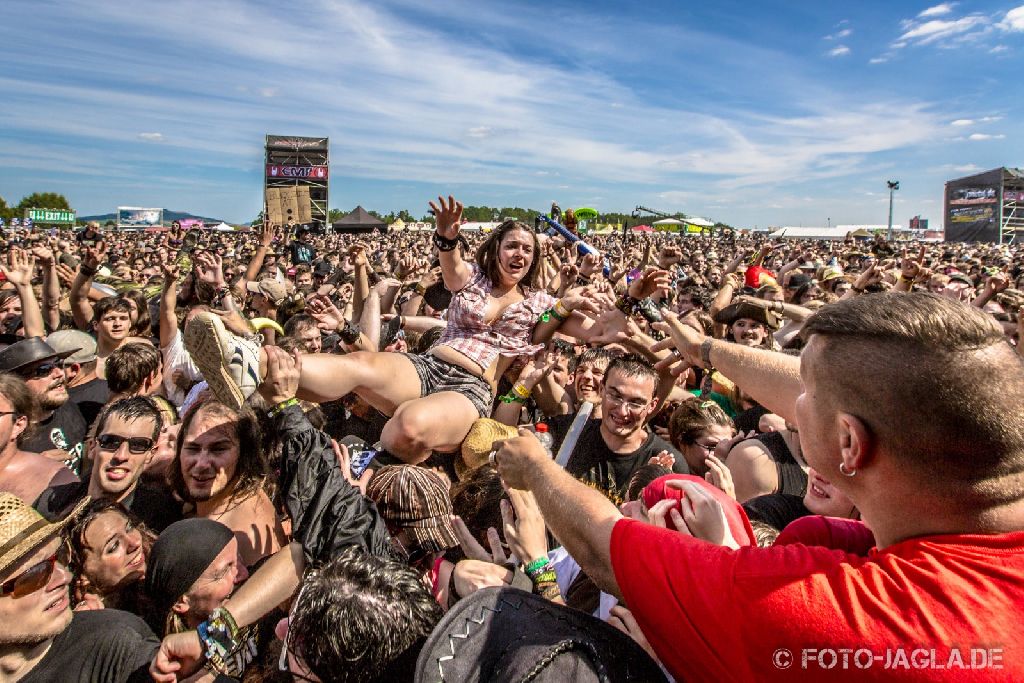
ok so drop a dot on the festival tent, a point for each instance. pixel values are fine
(399, 224)
(223, 227)
(485, 226)
(668, 225)
(642, 228)
(358, 221)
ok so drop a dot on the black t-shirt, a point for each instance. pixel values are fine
(155, 507)
(90, 398)
(65, 429)
(99, 646)
(302, 252)
(776, 509)
(596, 464)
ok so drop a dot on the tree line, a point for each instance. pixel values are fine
(36, 200)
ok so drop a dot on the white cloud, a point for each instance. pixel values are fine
(984, 136)
(480, 132)
(1014, 20)
(997, 49)
(880, 59)
(151, 137)
(971, 122)
(940, 29)
(838, 51)
(938, 10)
(268, 92)
(839, 35)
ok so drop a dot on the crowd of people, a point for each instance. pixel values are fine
(286, 455)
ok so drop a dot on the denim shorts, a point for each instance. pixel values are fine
(437, 375)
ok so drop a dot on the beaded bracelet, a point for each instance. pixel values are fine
(511, 398)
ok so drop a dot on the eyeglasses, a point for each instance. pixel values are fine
(40, 371)
(709, 447)
(35, 577)
(633, 406)
(136, 444)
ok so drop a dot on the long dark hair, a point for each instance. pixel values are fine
(487, 254)
(251, 469)
(130, 596)
(143, 325)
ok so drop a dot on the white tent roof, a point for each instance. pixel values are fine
(835, 232)
(223, 227)
(669, 221)
(485, 225)
(697, 220)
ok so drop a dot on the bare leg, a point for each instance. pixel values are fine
(385, 380)
(438, 422)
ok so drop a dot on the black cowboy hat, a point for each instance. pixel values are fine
(743, 309)
(505, 634)
(28, 351)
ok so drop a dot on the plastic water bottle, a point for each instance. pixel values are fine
(540, 430)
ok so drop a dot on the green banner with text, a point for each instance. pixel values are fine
(50, 216)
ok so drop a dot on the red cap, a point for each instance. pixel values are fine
(759, 276)
(739, 525)
(540, 427)
(848, 535)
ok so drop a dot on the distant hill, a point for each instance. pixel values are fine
(168, 217)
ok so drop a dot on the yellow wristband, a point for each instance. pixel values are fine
(521, 391)
(560, 310)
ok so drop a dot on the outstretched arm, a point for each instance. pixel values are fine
(454, 270)
(81, 308)
(772, 379)
(580, 517)
(168, 297)
(51, 287)
(19, 270)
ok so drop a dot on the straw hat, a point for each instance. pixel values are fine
(22, 529)
(476, 447)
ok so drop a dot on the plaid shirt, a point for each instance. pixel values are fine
(509, 335)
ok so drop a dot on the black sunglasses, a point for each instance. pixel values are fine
(136, 444)
(35, 577)
(39, 371)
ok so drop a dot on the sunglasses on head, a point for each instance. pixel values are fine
(136, 444)
(35, 577)
(40, 371)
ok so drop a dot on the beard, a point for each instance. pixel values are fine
(54, 398)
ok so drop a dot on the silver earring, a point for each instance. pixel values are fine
(845, 472)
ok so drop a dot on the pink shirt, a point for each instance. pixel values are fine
(509, 335)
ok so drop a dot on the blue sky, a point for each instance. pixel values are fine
(754, 113)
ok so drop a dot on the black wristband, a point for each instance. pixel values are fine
(443, 243)
(349, 333)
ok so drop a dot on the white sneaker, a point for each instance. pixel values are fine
(230, 364)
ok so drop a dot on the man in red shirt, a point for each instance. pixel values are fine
(910, 403)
